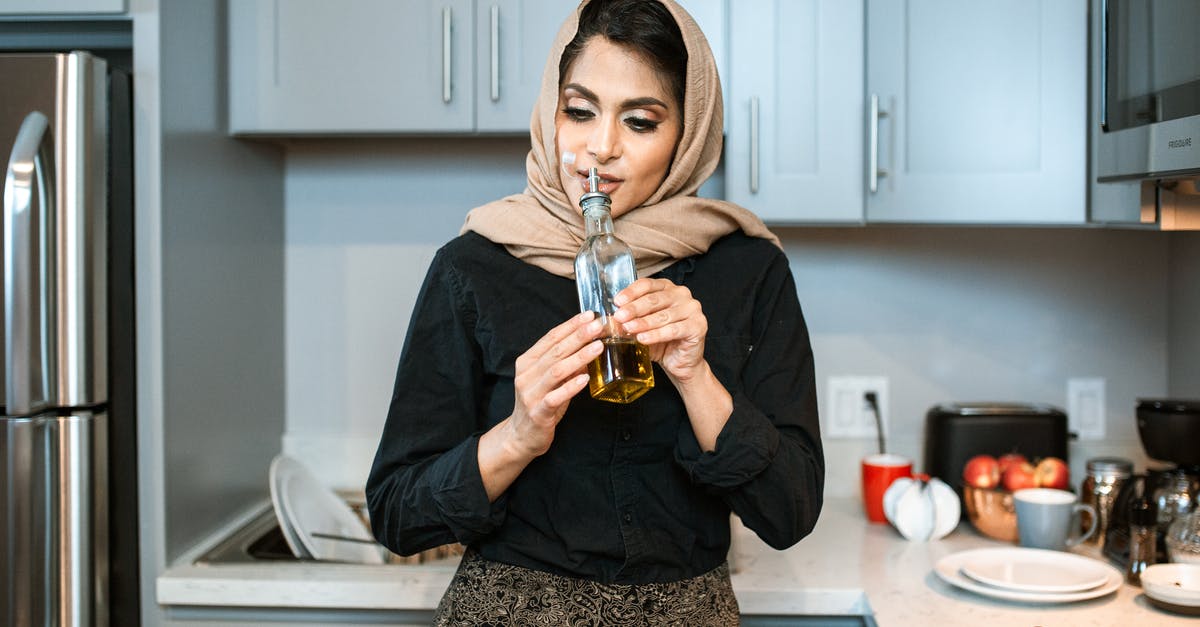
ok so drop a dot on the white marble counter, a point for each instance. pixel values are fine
(847, 567)
(846, 553)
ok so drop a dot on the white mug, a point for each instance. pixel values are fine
(1046, 517)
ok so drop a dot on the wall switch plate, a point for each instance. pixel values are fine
(1085, 407)
(849, 414)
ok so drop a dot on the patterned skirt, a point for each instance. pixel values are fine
(484, 592)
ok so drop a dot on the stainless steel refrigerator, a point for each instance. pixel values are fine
(68, 507)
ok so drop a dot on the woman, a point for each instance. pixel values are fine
(574, 510)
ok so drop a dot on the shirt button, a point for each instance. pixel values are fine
(628, 518)
(625, 435)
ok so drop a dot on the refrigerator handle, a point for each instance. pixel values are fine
(28, 266)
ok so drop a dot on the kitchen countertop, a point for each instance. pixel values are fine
(847, 567)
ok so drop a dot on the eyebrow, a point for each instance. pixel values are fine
(630, 103)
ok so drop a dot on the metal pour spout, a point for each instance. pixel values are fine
(594, 198)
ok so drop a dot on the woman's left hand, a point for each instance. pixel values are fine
(667, 319)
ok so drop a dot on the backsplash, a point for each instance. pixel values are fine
(945, 313)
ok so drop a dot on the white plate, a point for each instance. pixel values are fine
(1178, 584)
(280, 472)
(313, 512)
(1035, 570)
(949, 569)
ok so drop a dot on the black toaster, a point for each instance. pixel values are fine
(956, 432)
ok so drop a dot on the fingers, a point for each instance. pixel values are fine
(646, 296)
(551, 372)
(562, 394)
(657, 310)
(640, 288)
(680, 331)
(553, 338)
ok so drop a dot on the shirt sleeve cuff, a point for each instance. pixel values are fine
(745, 447)
(462, 501)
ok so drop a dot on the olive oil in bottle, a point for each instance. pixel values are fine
(604, 267)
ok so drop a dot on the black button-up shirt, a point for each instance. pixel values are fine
(625, 494)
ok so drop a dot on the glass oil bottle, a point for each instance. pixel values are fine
(604, 267)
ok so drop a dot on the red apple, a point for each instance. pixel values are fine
(982, 471)
(1008, 459)
(1052, 472)
(1018, 477)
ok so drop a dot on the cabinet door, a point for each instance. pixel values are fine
(794, 139)
(983, 110)
(355, 66)
(513, 39)
(47, 7)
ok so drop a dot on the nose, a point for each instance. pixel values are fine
(604, 141)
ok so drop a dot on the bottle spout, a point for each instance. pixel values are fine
(593, 181)
(594, 198)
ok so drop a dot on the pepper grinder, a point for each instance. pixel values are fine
(1143, 538)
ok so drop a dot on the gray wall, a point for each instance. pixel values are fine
(221, 287)
(988, 314)
(945, 313)
(1184, 337)
(364, 219)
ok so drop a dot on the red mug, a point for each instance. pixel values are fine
(878, 472)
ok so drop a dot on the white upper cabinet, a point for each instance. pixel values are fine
(794, 141)
(358, 66)
(387, 66)
(982, 111)
(52, 7)
(512, 42)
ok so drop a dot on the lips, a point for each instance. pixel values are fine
(608, 183)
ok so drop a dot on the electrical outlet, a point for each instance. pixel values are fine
(1085, 407)
(849, 413)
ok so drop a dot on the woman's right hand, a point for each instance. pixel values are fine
(548, 376)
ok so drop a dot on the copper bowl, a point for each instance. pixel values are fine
(991, 512)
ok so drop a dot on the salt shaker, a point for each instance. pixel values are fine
(1105, 475)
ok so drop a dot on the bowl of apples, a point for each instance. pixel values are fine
(989, 483)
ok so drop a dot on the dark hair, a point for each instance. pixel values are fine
(645, 27)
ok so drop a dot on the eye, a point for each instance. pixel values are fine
(578, 114)
(641, 125)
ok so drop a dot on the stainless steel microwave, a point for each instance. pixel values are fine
(1149, 90)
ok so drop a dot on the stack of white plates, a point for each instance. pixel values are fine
(1173, 587)
(1029, 575)
(316, 523)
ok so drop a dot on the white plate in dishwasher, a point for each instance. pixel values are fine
(316, 524)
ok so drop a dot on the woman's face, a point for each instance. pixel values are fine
(616, 115)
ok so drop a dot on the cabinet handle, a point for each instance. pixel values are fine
(1104, 65)
(447, 94)
(754, 144)
(873, 171)
(495, 53)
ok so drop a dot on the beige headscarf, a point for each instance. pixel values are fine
(541, 226)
